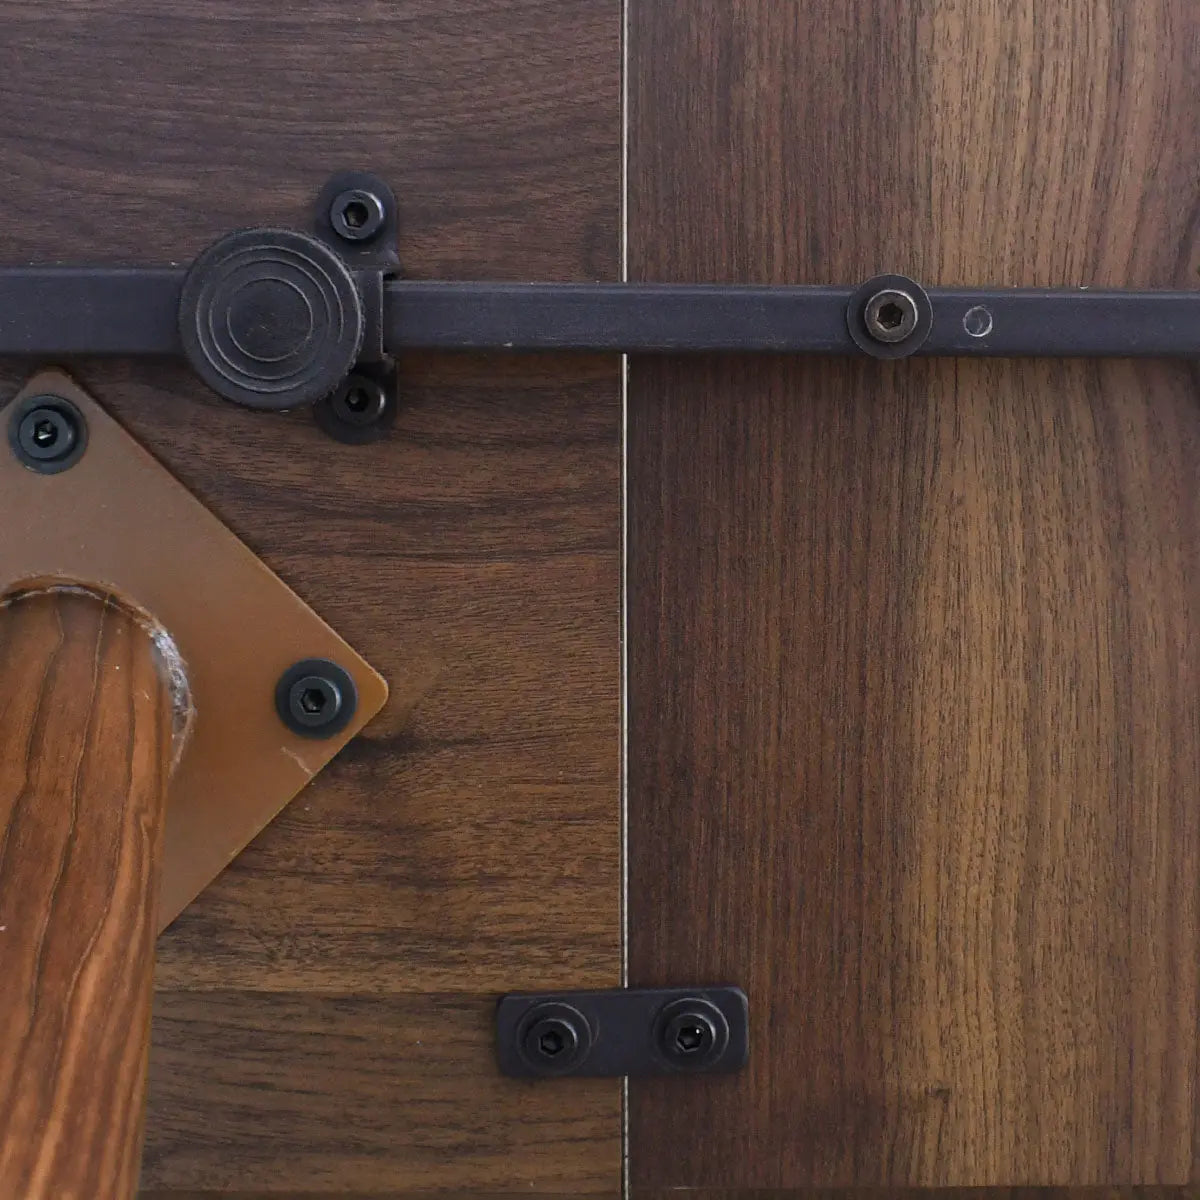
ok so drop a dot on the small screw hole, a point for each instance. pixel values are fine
(891, 316)
(313, 701)
(689, 1039)
(978, 321)
(358, 400)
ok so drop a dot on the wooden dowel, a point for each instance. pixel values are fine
(85, 751)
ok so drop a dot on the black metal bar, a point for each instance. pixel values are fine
(637, 318)
(1078, 323)
(49, 312)
(669, 318)
(69, 311)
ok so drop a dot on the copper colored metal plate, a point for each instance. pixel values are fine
(118, 521)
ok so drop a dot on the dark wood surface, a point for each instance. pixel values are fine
(322, 1012)
(997, 1193)
(915, 697)
(1030, 1193)
(86, 720)
(1098, 1193)
(914, 684)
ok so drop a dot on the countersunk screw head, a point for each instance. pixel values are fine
(316, 698)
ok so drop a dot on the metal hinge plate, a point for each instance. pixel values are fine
(630, 1031)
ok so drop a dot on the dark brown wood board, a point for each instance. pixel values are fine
(915, 674)
(1026, 1193)
(322, 1012)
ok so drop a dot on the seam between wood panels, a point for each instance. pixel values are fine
(626, 1190)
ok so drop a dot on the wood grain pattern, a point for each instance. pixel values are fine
(390, 1194)
(86, 719)
(370, 1063)
(471, 845)
(340, 1195)
(1028, 1193)
(1132, 1193)
(914, 648)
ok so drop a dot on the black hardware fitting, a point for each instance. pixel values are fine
(654, 1031)
(271, 319)
(890, 316)
(274, 319)
(268, 318)
(48, 434)
(278, 319)
(363, 408)
(316, 698)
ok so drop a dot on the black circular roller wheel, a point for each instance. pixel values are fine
(271, 319)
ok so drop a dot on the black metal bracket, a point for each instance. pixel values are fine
(656, 1031)
(274, 319)
(271, 319)
(278, 319)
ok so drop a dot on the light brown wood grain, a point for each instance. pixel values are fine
(373, 1195)
(85, 744)
(915, 669)
(471, 846)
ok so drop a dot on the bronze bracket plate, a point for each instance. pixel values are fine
(117, 521)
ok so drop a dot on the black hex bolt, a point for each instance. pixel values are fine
(357, 215)
(316, 698)
(691, 1034)
(891, 315)
(360, 401)
(551, 1037)
(554, 1039)
(360, 411)
(47, 434)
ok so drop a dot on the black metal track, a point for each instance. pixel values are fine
(49, 312)
(669, 318)
(615, 317)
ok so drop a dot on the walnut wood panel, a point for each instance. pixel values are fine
(1028, 1193)
(1134, 1193)
(86, 718)
(915, 689)
(360, 1053)
(339, 1195)
(470, 844)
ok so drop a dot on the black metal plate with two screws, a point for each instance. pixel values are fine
(651, 1031)
(275, 319)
